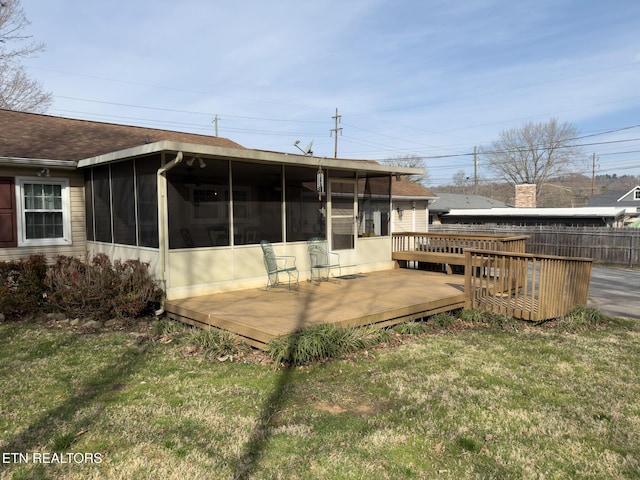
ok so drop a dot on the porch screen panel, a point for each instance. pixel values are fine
(123, 201)
(146, 187)
(257, 202)
(198, 203)
(306, 215)
(102, 204)
(373, 206)
(88, 202)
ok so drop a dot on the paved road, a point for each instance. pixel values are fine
(615, 291)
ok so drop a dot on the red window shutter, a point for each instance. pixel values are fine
(8, 234)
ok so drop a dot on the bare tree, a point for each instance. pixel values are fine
(17, 90)
(412, 161)
(534, 153)
(461, 181)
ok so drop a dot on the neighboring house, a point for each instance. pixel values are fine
(627, 199)
(194, 207)
(583, 216)
(411, 206)
(447, 201)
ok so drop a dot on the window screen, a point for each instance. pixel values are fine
(102, 204)
(146, 184)
(306, 215)
(373, 206)
(257, 202)
(198, 202)
(88, 202)
(123, 201)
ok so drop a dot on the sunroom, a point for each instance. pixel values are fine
(197, 213)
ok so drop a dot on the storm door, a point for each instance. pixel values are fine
(343, 211)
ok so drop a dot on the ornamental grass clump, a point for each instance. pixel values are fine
(322, 342)
(582, 318)
(214, 342)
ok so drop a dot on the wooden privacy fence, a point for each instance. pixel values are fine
(525, 286)
(613, 246)
(448, 248)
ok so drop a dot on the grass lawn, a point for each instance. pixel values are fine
(480, 402)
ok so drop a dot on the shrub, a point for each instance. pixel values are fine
(22, 285)
(101, 288)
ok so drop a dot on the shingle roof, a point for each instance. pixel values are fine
(406, 188)
(29, 135)
(611, 197)
(447, 201)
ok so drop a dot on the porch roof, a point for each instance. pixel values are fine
(258, 156)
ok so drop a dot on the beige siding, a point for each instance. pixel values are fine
(211, 270)
(411, 219)
(78, 246)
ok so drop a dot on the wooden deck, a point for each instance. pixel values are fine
(380, 298)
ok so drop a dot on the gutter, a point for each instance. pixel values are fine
(36, 163)
(163, 242)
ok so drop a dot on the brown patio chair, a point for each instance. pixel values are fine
(322, 260)
(276, 265)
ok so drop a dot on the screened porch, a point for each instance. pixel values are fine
(197, 213)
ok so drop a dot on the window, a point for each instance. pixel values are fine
(636, 194)
(44, 216)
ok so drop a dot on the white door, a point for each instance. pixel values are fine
(343, 208)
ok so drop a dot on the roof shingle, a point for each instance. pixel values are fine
(30, 135)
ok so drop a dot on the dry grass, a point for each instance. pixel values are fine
(470, 403)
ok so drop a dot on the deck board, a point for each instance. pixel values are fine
(381, 298)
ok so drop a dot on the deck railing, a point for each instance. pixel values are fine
(525, 286)
(456, 243)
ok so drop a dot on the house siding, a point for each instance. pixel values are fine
(204, 271)
(411, 219)
(78, 246)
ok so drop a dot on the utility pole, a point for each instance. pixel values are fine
(215, 123)
(475, 170)
(593, 174)
(334, 132)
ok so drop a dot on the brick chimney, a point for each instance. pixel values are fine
(526, 195)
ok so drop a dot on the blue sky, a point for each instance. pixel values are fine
(429, 78)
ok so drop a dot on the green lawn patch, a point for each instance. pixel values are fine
(457, 399)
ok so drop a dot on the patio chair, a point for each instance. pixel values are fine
(321, 259)
(276, 265)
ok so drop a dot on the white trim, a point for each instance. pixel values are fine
(633, 192)
(37, 162)
(248, 155)
(23, 241)
(539, 212)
